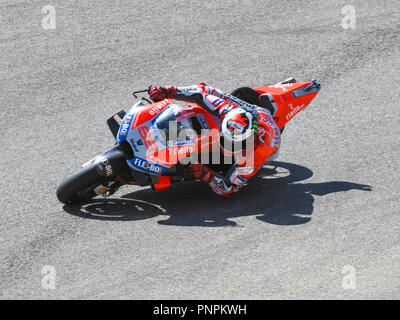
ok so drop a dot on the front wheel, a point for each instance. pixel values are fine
(80, 185)
(108, 167)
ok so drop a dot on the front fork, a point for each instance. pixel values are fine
(112, 165)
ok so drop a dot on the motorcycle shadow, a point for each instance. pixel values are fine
(274, 196)
(116, 209)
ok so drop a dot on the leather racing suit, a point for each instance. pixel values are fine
(266, 140)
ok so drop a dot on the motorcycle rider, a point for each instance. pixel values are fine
(248, 132)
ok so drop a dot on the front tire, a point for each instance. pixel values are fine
(80, 185)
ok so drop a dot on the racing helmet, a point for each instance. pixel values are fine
(238, 128)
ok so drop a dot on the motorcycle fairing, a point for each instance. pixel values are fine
(132, 131)
(290, 98)
(153, 152)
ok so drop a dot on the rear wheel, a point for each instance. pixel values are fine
(80, 185)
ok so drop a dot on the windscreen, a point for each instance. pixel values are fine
(169, 126)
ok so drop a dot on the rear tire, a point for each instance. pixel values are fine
(79, 186)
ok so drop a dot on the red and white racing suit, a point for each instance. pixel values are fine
(266, 141)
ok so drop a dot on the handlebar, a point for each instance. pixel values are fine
(141, 91)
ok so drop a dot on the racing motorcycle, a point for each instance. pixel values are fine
(147, 153)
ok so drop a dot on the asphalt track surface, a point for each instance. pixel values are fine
(329, 212)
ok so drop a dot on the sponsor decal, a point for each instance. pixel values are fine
(188, 90)
(149, 142)
(125, 125)
(283, 86)
(158, 107)
(171, 155)
(185, 149)
(107, 167)
(147, 166)
(293, 111)
(178, 142)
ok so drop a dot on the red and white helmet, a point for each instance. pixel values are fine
(237, 130)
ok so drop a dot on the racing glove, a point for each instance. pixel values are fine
(158, 93)
(201, 171)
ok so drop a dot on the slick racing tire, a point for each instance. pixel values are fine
(80, 185)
